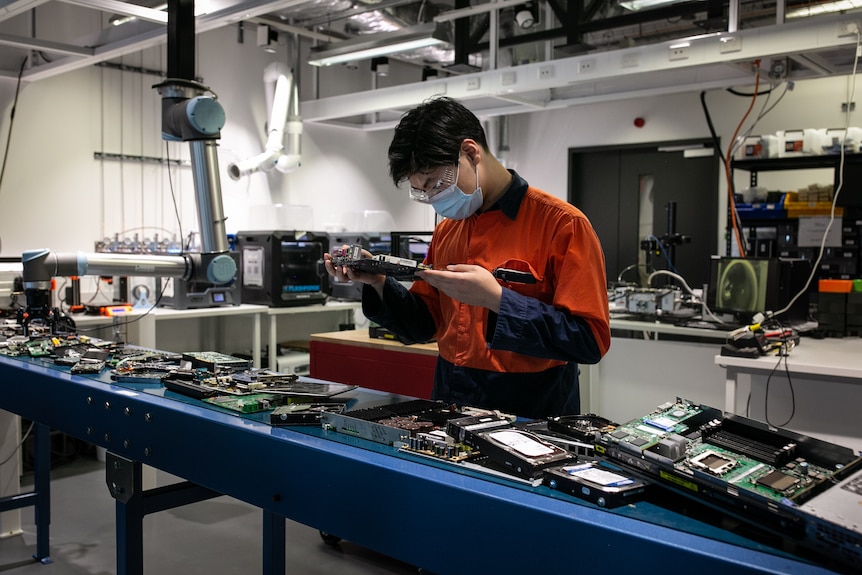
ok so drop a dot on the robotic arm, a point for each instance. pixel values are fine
(284, 120)
(188, 115)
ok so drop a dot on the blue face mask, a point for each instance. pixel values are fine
(454, 204)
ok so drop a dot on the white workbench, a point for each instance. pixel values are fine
(818, 392)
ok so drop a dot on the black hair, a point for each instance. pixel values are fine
(430, 136)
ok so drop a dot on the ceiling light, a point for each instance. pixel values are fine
(636, 5)
(267, 38)
(381, 44)
(525, 17)
(825, 8)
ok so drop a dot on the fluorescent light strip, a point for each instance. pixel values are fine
(372, 45)
(825, 8)
(635, 5)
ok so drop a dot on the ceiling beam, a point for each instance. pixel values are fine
(124, 8)
(43, 45)
(155, 37)
(11, 8)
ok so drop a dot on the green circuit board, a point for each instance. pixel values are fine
(694, 440)
(253, 403)
(785, 482)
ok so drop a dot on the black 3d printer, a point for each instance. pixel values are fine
(283, 268)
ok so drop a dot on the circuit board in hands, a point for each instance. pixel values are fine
(402, 269)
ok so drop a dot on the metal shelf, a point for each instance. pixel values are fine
(795, 163)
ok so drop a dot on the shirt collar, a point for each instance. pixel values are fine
(510, 201)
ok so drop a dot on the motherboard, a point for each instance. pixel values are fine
(766, 476)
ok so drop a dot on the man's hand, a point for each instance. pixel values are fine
(344, 273)
(473, 285)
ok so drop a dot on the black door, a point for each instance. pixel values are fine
(610, 184)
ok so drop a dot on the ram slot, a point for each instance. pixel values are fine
(775, 456)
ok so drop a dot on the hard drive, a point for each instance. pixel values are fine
(519, 452)
(303, 413)
(595, 482)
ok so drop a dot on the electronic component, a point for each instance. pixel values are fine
(513, 276)
(379, 243)
(581, 432)
(747, 286)
(651, 301)
(253, 403)
(188, 383)
(778, 481)
(403, 420)
(400, 268)
(713, 462)
(182, 294)
(88, 366)
(518, 451)
(442, 446)
(772, 478)
(213, 360)
(463, 428)
(764, 445)
(596, 482)
(303, 413)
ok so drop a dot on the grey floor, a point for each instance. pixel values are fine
(215, 537)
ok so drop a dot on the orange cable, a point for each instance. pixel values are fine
(727, 159)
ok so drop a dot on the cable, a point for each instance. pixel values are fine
(673, 275)
(23, 439)
(781, 358)
(679, 278)
(174, 196)
(627, 268)
(11, 121)
(743, 94)
(182, 250)
(851, 91)
(731, 200)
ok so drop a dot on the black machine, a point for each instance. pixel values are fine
(283, 268)
(183, 294)
(410, 245)
(747, 286)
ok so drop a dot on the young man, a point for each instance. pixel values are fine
(509, 340)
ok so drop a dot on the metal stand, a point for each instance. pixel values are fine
(40, 497)
(124, 478)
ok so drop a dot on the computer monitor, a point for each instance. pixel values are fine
(747, 286)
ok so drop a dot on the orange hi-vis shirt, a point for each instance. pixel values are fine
(554, 242)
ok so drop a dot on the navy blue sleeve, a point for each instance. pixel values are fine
(528, 326)
(400, 311)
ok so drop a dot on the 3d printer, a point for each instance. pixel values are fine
(283, 268)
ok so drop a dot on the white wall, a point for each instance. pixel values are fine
(55, 194)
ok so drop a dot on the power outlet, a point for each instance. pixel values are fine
(678, 52)
(847, 29)
(473, 83)
(729, 44)
(508, 78)
(546, 72)
(586, 66)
